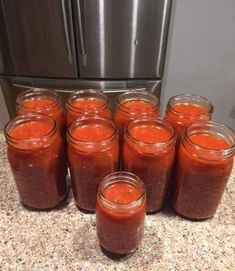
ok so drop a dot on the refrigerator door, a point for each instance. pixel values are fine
(11, 87)
(121, 39)
(37, 38)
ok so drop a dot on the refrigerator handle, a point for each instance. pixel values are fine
(66, 29)
(81, 32)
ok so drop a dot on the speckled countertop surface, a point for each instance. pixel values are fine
(66, 239)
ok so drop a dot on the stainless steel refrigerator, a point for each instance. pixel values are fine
(113, 45)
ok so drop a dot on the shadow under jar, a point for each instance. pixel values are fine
(184, 109)
(135, 104)
(120, 213)
(204, 164)
(43, 101)
(148, 152)
(37, 160)
(87, 102)
(93, 152)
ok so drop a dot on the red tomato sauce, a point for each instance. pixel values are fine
(38, 103)
(137, 105)
(151, 163)
(209, 142)
(150, 134)
(93, 133)
(90, 161)
(189, 109)
(121, 193)
(120, 231)
(88, 104)
(200, 182)
(30, 130)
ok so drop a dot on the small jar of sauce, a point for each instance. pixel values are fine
(135, 104)
(148, 152)
(43, 101)
(204, 164)
(120, 213)
(37, 159)
(93, 152)
(87, 102)
(184, 109)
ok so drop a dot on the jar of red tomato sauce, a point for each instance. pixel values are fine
(120, 213)
(184, 109)
(134, 104)
(204, 163)
(37, 160)
(43, 101)
(148, 152)
(93, 152)
(87, 102)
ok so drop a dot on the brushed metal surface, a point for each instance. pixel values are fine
(121, 39)
(36, 38)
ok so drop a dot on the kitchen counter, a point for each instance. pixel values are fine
(65, 239)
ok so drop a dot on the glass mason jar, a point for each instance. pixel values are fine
(184, 109)
(87, 102)
(36, 156)
(93, 152)
(148, 152)
(204, 163)
(134, 104)
(120, 213)
(43, 101)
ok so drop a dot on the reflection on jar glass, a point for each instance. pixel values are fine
(204, 164)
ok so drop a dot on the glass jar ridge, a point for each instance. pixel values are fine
(126, 177)
(133, 95)
(35, 94)
(188, 98)
(210, 128)
(101, 109)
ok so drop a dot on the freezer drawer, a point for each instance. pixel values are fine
(11, 87)
(36, 38)
(121, 39)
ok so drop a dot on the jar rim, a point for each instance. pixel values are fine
(157, 122)
(173, 100)
(228, 135)
(154, 100)
(24, 119)
(75, 95)
(82, 121)
(120, 177)
(31, 92)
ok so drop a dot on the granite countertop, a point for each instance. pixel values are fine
(65, 239)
